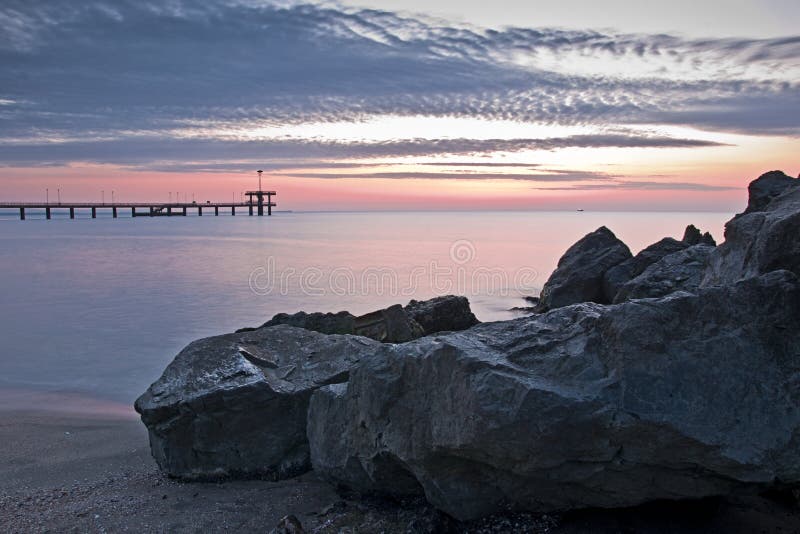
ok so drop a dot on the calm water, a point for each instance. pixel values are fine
(94, 309)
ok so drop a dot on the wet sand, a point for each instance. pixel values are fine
(62, 472)
(93, 473)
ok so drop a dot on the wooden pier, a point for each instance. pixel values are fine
(255, 206)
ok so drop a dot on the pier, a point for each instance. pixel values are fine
(255, 206)
(255, 199)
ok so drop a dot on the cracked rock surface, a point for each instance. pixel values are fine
(236, 404)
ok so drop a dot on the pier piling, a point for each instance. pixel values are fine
(22, 214)
(114, 212)
(94, 212)
(71, 213)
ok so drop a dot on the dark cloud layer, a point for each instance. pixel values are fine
(143, 151)
(128, 73)
(642, 186)
(551, 176)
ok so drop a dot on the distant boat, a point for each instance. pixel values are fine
(580, 209)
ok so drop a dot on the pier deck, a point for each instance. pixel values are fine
(150, 209)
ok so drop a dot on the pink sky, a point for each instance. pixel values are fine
(85, 183)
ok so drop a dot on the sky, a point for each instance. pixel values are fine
(400, 104)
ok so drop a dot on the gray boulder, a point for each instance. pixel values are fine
(629, 269)
(686, 396)
(390, 325)
(580, 271)
(766, 237)
(394, 324)
(325, 323)
(440, 314)
(766, 187)
(693, 236)
(236, 405)
(679, 271)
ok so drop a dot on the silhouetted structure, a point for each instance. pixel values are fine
(147, 209)
(259, 195)
(157, 209)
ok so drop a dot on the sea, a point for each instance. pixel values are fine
(94, 309)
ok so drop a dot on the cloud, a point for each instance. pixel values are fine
(551, 176)
(643, 186)
(337, 170)
(245, 166)
(477, 164)
(746, 114)
(164, 153)
(119, 77)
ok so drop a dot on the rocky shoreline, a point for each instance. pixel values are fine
(668, 375)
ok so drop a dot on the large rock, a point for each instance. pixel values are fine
(764, 238)
(679, 271)
(580, 271)
(236, 405)
(766, 187)
(440, 314)
(586, 406)
(390, 325)
(629, 269)
(693, 236)
(394, 324)
(325, 323)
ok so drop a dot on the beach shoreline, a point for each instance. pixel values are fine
(93, 473)
(62, 471)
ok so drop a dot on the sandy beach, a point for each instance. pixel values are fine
(64, 472)
(93, 473)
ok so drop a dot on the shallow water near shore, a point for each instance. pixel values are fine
(93, 310)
